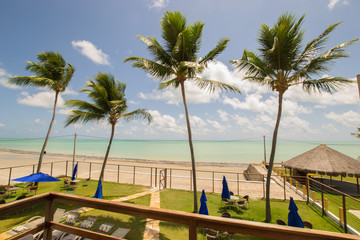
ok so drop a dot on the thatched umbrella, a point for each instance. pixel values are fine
(325, 160)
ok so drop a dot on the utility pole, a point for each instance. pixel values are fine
(358, 81)
(264, 150)
(73, 165)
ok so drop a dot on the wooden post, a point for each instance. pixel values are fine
(284, 187)
(90, 170)
(314, 196)
(155, 177)
(344, 213)
(170, 176)
(118, 175)
(134, 176)
(307, 190)
(304, 190)
(151, 176)
(291, 181)
(322, 200)
(213, 182)
(51, 170)
(10, 170)
(49, 214)
(341, 215)
(192, 230)
(33, 168)
(66, 167)
(297, 185)
(237, 180)
(326, 204)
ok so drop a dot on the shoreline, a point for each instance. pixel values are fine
(128, 160)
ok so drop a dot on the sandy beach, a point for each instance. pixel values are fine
(146, 173)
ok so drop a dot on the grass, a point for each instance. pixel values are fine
(110, 191)
(182, 201)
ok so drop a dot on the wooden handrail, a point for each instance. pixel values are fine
(192, 220)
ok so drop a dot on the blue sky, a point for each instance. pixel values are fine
(96, 36)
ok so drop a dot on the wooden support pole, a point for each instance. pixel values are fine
(118, 175)
(10, 170)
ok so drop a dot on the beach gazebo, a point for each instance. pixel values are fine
(325, 160)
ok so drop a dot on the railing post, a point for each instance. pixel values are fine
(170, 176)
(213, 182)
(322, 200)
(155, 177)
(10, 170)
(307, 190)
(192, 230)
(165, 177)
(238, 188)
(90, 171)
(344, 213)
(297, 185)
(49, 214)
(291, 182)
(284, 187)
(134, 176)
(118, 177)
(51, 169)
(66, 167)
(151, 176)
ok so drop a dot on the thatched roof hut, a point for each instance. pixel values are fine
(325, 160)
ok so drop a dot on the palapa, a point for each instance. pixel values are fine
(325, 160)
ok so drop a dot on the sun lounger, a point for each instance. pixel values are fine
(120, 232)
(86, 224)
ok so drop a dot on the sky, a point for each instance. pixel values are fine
(96, 36)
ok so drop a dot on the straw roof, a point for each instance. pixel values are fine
(325, 160)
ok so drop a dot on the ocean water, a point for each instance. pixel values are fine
(205, 151)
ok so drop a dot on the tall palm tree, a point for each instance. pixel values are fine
(283, 63)
(51, 71)
(177, 62)
(108, 102)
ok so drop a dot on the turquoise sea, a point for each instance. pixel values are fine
(164, 150)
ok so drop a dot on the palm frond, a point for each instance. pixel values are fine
(138, 114)
(155, 69)
(32, 81)
(172, 24)
(83, 117)
(328, 84)
(213, 86)
(173, 83)
(156, 50)
(219, 48)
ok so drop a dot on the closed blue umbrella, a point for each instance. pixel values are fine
(225, 191)
(99, 193)
(203, 206)
(37, 177)
(74, 173)
(294, 218)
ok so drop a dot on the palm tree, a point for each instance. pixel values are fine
(177, 62)
(283, 63)
(108, 102)
(356, 134)
(51, 71)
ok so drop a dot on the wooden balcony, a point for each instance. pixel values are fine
(193, 221)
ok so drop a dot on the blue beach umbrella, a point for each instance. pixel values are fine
(99, 193)
(74, 173)
(37, 177)
(294, 219)
(225, 191)
(203, 206)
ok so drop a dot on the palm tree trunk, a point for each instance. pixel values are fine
(107, 152)
(191, 147)
(48, 133)
(271, 160)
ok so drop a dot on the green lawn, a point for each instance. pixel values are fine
(110, 191)
(182, 201)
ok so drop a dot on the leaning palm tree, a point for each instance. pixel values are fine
(53, 72)
(108, 102)
(283, 63)
(177, 62)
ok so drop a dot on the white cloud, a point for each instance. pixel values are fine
(218, 127)
(248, 125)
(165, 122)
(89, 50)
(197, 122)
(44, 99)
(158, 3)
(223, 115)
(39, 121)
(330, 128)
(2, 125)
(4, 79)
(349, 118)
(332, 3)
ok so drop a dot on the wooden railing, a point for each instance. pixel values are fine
(193, 221)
